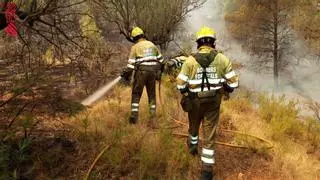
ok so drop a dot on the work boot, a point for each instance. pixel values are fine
(133, 119)
(193, 148)
(206, 175)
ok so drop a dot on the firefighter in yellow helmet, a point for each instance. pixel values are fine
(146, 60)
(203, 79)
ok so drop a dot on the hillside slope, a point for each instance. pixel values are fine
(65, 148)
(137, 151)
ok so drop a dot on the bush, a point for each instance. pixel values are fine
(282, 116)
(15, 160)
(238, 105)
(313, 136)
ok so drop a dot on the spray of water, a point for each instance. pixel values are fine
(100, 92)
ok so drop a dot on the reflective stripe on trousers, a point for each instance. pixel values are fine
(143, 79)
(135, 107)
(205, 111)
(207, 156)
(193, 139)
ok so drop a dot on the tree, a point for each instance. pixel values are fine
(306, 22)
(264, 26)
(159, 18)
(38, 65)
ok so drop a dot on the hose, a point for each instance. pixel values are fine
(160, 94)
(96, 160)
(232, 145)
(105, 149)
(270, 145)
(98, 94)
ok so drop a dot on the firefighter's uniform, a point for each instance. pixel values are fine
(203, 86)
(146, 59)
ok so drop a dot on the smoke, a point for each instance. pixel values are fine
(299, 80)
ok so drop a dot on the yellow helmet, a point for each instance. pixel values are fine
(136, 32)
(206, 32)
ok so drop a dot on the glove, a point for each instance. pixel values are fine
(183, 91)
(228, 89)
(126, 74)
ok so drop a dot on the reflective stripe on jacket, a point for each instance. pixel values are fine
(144, 53)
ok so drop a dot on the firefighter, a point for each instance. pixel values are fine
(204, 78)
(145, 60)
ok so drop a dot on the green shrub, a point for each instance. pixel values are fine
(313, 136)
(15, 159)
(282, 115)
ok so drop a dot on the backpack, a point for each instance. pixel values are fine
(205, 59)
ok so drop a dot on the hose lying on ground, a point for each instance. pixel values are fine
(232, 145)
(105, 149)
(270, 145)
(96, 160)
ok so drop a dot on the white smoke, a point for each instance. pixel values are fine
(299, 80)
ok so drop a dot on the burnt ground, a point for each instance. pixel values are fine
(233, 163)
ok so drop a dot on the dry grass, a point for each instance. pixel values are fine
(294, 139)
(138, 152)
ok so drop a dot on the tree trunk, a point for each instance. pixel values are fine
(275, 47)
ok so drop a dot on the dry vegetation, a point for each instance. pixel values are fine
(69, 53)
(295, 138)
(144, 153)
(63, 56)
(126, 14)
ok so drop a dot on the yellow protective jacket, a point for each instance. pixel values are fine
(144, 53)
(219, 72)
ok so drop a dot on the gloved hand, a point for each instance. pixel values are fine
(184, 91)
(228, 89)
(126, 74)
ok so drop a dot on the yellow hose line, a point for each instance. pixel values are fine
(96, 160)
(250, 135)
(103, 151)
(231, 131)
(228, 144)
